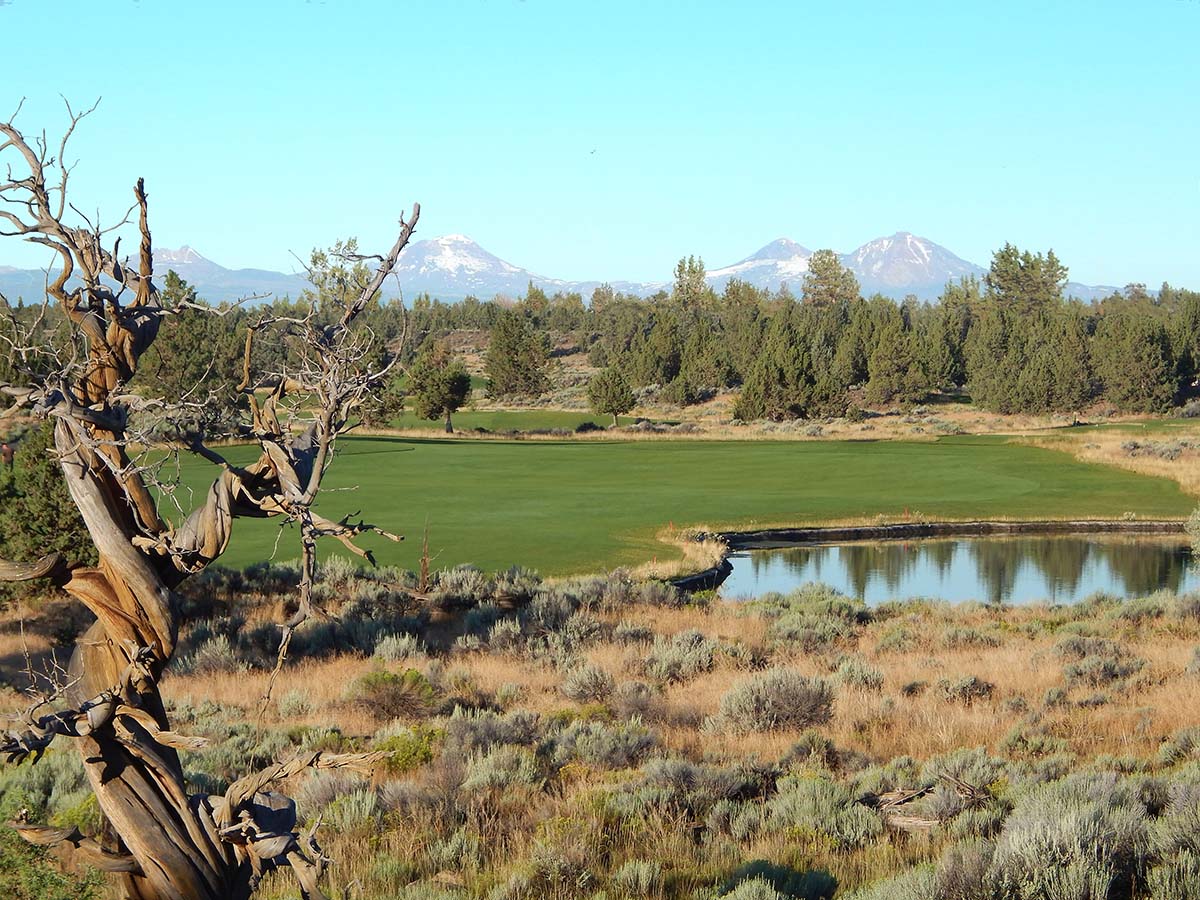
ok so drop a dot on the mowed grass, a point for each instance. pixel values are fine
(507, 420)
(564, 507)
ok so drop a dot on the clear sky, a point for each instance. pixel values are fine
(604, 140)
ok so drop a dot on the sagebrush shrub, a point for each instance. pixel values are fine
(398, 647)
(775, 699)
(501, 768)
(822, 806)
(858, 673)
(388, 695)
(681, 657)
(636, 878)
(612, 746)
(966, 690)
(588, 684)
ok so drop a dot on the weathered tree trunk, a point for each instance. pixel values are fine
(172, 846)
(138, 783)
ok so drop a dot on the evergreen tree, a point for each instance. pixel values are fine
(34, 494)
(1133, 362)
(609, 393)
(1023, 281)
(515, 361)
(827, 282)
(690, 288)
(440, 383)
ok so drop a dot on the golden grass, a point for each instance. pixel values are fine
(881, 725)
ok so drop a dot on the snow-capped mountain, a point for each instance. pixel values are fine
(906, 264)
(896, 266)
(781, 261)
(454, 266)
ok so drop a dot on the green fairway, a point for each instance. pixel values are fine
(508, 420)
(573, 506)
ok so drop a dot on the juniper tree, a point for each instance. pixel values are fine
(515, 361)
(609, 393)
(440, 383)
(167, 844)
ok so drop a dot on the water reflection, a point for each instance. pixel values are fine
(1060, 568)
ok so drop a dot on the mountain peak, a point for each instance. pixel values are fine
(184, 254)
(906, 262)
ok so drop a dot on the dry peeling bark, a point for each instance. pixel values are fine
(168, 845)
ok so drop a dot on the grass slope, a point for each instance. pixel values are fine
(564, 507)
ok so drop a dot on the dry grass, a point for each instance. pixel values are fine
(1013, 649)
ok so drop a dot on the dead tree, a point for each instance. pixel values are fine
(169, 845)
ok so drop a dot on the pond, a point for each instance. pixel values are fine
(1027, 569)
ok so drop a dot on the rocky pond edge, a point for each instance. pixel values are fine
(773, 538)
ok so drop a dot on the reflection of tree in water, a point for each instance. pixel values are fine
(1060, 560)
(1131, 567)
(996, 564)
(1144, 568)
(805, 563)
(941, 554)
(889, 561)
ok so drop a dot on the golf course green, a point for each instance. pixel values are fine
(563, 507)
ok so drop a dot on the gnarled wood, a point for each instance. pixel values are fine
(172, 846)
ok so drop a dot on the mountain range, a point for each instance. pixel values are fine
(454, 266)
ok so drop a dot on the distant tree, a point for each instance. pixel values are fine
(33, 495)
(515, 361)
(195, 362)
(827, 282)
(383, 407)
(609, 393)
(440, 383)
(1133, 361)
(690, 287)
(1022, 281)
(894, 373)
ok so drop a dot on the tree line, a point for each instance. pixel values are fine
(1012, 341)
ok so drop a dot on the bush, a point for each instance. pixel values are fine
(958, 638)
(681, 657)
(857, 673)
(294, 704)
(1094, 832)
(468, 732)
(588, 684)
(637, 878)
(398, 647)
(387, 695)
(811, 806)
(29, 873)
(596, 743)
(776, 699)
(1176, 879)
(915, 884)
(213, 656)
(1098, 671)
(754, 889)
(501, 768)
(789, 882)
(965, 690)
(408, 748)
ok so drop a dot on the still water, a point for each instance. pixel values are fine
(1058, 569)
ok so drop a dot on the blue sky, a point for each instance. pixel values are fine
(606, 139)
